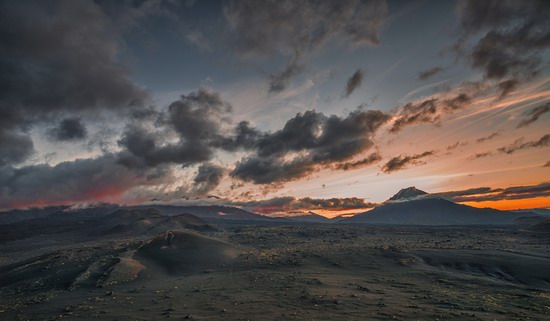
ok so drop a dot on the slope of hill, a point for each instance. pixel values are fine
(182, 251)
(539, 211)
(210, 212)
(542, 227)
(408, 193)
(310, 217)
(14, 216)
(529, 220)
(122, 222)
(430, 211)
(149, 221)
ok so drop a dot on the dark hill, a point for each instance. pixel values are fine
(542, 227)
(529, 220)
(148, 221)
(183, 251)
(431, 211)
(310, 218)
(211, 212)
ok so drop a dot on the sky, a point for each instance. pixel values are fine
(280, 107)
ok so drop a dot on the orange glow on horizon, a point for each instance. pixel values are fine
(345, 211)
(537, 202)
(329, 213)
(505, 205)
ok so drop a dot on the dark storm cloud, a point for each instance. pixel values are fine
(197, 116)
(81, 180)
(15, 143)
(513, 35)
(496, 194)
(68, 129)
(195, 119)
(289, 204)
(144, 148)
(244, 137)
(56, 56)
(208, 177)
(519, 144)
(306, 142)
(15, 146)
(491, 136)
(298, 28)
(327, 137)
(534, 115)
(403, 161)
(60, 55)
(367, 161)
(427, 74)
(353, 83)
(272, 170)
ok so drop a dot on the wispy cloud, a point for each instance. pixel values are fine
(534, 115)
(367, 161)
(481, 155)
(489, 137)
(426, 74)
(482, 194)
(353, 83)
(403, 161)
(544, 141)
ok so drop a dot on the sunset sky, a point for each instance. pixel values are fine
(274, 106)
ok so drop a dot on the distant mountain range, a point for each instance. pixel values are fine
(409, 206)
(211, 212)
(539, 211)
(116, 222)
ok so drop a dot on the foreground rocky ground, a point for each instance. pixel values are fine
(283, 272)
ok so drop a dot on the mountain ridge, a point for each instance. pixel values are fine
(411, 206)
(407, 194)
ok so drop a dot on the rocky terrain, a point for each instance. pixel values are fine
(232, 270)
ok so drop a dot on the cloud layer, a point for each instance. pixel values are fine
(83, 180)
(482, 194)
(510, 36)
(64, 78)
(295, 29)
(57, 57)
(289, 204)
